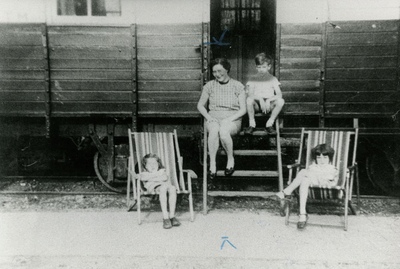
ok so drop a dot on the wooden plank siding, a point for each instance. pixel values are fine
(299, 51)
(169, 70)
(23, 70)
(362, 69)
(92, 70)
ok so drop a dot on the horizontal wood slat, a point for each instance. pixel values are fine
(364, 26)
(298, 74)
(167, 53)
(182, 85)
(300, 52)
(301, 40)
(168, 107)
(91, 85)
(362, 50)
(91, 63)
(363, 38)
(168, 29)
(21, 52)
(112, 96)
(90, 53)
(169, 41)
(169, 63)
(360, 85)
(172, 96)
(22, 63)
(362, 73)
(305, 28)
(24, 85)
(169, 75)
(22, 108)
(362, 62)
(86, 108)
(362, 97)
(86, 74)
(22, 74)
(16, 96)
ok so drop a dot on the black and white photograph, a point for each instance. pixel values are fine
(200, 134)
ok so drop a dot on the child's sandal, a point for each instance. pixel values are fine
(302, 224)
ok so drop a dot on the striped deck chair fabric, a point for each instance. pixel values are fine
(340, 142)
(166, 146)
(344, 142)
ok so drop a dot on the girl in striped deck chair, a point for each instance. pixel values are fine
(321, 172)
(156, 181)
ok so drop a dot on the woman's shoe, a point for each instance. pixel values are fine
(302, 224)
(211, 175)
(229, 171)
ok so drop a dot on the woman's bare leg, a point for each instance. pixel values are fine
(227, 130)
(213, 144)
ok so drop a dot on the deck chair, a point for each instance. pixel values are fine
(340, 141)
(166, 146)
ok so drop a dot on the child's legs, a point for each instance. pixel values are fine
(276, 107)
(213, 143)
(303, 193)
(172, 200)
(163, 200)
(296, 182)
(252, 107)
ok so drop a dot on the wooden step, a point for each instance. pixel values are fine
(251, 152)
(257, 132)
(249, 173)
(264, 194)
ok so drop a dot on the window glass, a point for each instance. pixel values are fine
(84, 7)
(241, 15)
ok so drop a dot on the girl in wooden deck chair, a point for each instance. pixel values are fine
(321, 172)
(156, 180)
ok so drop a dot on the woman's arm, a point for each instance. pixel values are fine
(242, 110)
(201, 105)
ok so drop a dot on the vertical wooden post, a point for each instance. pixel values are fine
(322, 76)
(278, 52)
(46, 72)
(134, 77)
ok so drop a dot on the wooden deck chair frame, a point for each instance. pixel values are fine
(340, 141)
(166, 146)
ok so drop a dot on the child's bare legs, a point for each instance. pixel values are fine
(251, 103)
(276, 107)
(172, 201)
(163, 200)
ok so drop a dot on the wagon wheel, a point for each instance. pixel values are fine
(381, 173)
(101, 168)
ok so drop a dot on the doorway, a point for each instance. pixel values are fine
(248, 27)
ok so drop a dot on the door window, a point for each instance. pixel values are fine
(89, 8)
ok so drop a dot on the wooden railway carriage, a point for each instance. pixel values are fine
(93, 68)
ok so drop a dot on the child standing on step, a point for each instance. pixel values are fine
(263, 94)
(321, 173)
(156, 181)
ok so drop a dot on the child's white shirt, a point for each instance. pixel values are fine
(263, 86)
(328, 173)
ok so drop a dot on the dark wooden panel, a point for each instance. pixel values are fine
(168, 107)
(90, 53)
(21, 74)
(91, 63)
(300, 97)
(169, 63)
(360, 85)
(21, 27)
(345, 73)
(172, 96)
(363, 38)
(87, 85)
(360, 109)
(299, 74)
(91, 74)
(361, 62)
(24, 85)
(103, 108)
(300, 63)
(300, 52)
(22, 52)
(300, 85)
(364, 26)
(301, 108)
(301, 40)
(21, 39)
(169, 75)
(363, 97)
(168, 53)
(22, 108)
(90, 40)
(169, 85)
(80, 96)
(169, 41)
(306, 28)
(22, 63)
(32, 96)
(168, 29)
(362, 50)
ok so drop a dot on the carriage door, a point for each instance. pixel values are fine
(248, 26)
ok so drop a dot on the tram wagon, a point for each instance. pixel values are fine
(81, 69)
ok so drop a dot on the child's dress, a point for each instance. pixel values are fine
(326, 175)
(151, 186)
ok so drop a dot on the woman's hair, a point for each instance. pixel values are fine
(323, 149)
(149, 156)
(262, 58)
(222, 61)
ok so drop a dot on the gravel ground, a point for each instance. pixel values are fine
(30, 199)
